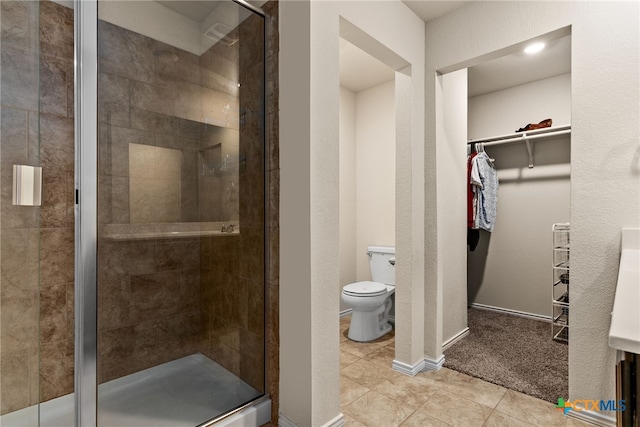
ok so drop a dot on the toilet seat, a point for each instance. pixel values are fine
(365, 289)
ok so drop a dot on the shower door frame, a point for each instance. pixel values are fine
(86, 213)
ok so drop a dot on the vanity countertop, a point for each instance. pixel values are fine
(624, 333)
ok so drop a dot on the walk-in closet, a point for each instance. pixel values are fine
(518, 130)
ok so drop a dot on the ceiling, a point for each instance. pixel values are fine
(197, 10)
(520, 68)
(194, 10)
(428, 10)
(359, 70)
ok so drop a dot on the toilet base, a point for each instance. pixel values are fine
(369, 325)
(361, 333)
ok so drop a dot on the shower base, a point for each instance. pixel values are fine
(182, 393)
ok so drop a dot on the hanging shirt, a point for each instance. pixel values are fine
(470, 193)
(485, 181)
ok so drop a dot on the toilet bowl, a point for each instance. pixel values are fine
(371, 300)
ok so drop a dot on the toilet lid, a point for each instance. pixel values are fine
(365, 289)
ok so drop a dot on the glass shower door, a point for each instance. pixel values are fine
(36, 214)
(181, 231)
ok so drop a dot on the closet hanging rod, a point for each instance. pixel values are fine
(525, 137)
(521, 136)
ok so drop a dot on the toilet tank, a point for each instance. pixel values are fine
(382, 270)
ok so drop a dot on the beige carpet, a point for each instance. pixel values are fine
(513, 352)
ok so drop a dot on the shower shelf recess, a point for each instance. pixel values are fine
(178, 230)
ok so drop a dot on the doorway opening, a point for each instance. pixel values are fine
(517, 281)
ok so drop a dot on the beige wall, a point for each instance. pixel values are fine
(452, 178)
(604, 168)
(347, 190)
(367, 178)
(511, 267)
(309, 150)
(504, 111)
(375, 172)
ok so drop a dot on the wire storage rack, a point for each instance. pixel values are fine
(560, 289)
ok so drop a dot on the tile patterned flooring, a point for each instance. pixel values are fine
(372, 394)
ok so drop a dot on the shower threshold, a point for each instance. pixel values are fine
(182, 393)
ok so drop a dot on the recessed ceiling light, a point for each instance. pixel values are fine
(534, 48)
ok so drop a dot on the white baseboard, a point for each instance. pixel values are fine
(346, 312)
(338, 421)
(433, 365)
(454, 339)
(411, 370)
(593, 417)
(512, 312)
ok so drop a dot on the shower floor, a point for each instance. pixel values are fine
(182, 393)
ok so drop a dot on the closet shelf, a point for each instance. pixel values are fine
(521, 136)
(525, 137)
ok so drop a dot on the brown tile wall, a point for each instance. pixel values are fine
(153, 295)
(273, 249)
(233, 267)
(148, 293)
(36, 285)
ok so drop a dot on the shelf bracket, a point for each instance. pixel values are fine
(529, 150)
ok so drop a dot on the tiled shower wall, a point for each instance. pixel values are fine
(158, 305)
(158, 96)
(181, 296)
(36, 336)
(272, 296)
(232, 267)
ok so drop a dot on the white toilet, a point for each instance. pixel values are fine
(371, 301)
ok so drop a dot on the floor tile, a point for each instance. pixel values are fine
(467, 387)
(411, 390)
(360, 349)
(350, 391)
(573, 422)
(367, 374)
(422, 419)
(531, 410)
(440, 398)
(344, 328)
(383, 356)
(453, 410)
(375, 410)
(498, 419)
(347, 359)
(352, 422)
